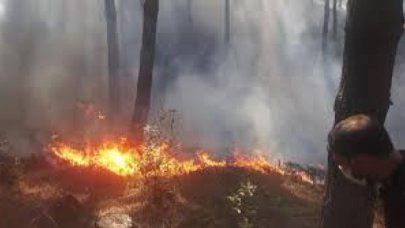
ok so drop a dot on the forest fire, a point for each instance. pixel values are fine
(118, 160)
(123, 159)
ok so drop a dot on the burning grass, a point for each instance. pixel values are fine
(154, 184)
(161, 190)
(123, 159)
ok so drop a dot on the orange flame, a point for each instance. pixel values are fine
(114, 158)
(205, 160)
(127, 161)
(258, 163)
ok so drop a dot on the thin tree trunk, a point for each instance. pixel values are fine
(335, 20)
(113, 58)
(227, 21)
(143, 98)
(369, 55)
(325, 24)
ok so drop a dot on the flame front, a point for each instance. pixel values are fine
(113, 158)
(117, 161)
(127, 161)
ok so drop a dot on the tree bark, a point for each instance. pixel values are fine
(143, 98)
(227, 21)
(113, 58)
(325, 25)
(335, 20)
(373, 29)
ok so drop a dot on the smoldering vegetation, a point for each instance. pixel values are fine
(269, 87)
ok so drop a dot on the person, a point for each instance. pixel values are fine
(364, 153)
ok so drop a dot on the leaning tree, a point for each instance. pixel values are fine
(144, 88)
(373, 29)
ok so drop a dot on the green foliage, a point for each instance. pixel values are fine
(161, 195)
(242, 203)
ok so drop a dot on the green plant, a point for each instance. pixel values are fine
(160, 192)
(242, 203)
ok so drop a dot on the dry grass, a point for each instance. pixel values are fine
(195, 200)
(199, 199)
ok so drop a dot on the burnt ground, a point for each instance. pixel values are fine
(36, 194)
(44, 196)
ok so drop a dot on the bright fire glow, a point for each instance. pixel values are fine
(115, 158)
(124, 160)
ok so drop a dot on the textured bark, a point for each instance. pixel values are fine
(143, 98)
(113, 58)
(373, 29)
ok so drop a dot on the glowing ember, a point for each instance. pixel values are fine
(124, 160)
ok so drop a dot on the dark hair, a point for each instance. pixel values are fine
(360, 134)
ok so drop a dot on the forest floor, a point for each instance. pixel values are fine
(38, 195)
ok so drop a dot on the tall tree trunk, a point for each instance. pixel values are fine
(369, 55)
(113, 58)
(227, 21)
(325, 24)
(335, 20)
(143, 98)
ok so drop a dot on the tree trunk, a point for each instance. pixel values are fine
(113, 58)
(325, 24)
(335, 20)
(227, 21)
(143, 98)
(373, 29)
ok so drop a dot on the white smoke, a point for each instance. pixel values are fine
(270, 88)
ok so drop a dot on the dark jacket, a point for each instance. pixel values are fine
(393, 196)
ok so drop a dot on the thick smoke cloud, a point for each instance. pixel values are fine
(52, 54)
(271, 87)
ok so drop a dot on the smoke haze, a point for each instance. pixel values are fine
(271, 87)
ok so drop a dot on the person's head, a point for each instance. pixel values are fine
(361, 146)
